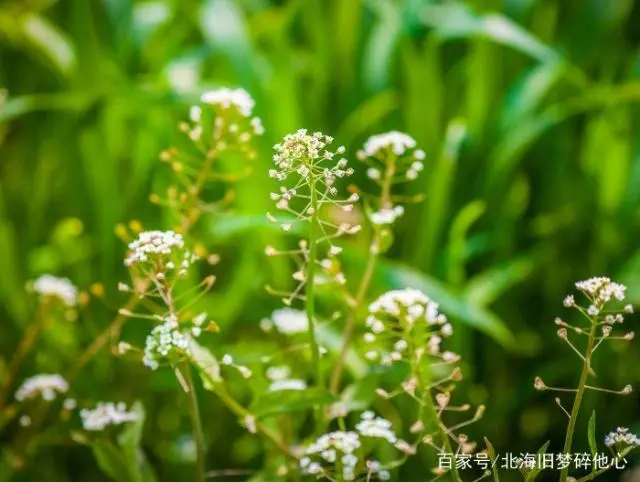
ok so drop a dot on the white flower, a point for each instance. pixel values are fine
(289, 384)
(376, 427)
(621, 438)
(387, 215)
(392, 322)
(106, 413)
(289, 321)
(168, 340)
(227, 98)
(44, 385)
(398, 142)
(602, 289)
(278, 373)
(62, 288)
(159, 250)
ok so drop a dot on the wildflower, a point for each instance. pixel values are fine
(289, 321)
(601, 289)
(621, 438)
(105, 414)
(238, 99)
(168, 341)
(307, 155)
(45, 386)
(60, 288)
(387, 215)
(160, 255)
(394, 141)
(376, 427)
(278, 373)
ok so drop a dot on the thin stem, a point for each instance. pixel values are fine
(109, 334)
(586, 368)
(334, 385)
(243, 413)
(194, 412)
(429, 405)
(374, 251)
(30, 337)
(310, 301)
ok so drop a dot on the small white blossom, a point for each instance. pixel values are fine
(387, 215)
(167, 341)
(602, 289)
(105, 414)
(621, 439)
(289, 321)
(61, 288)
(397, 142)
(45, 386)
(227, 98)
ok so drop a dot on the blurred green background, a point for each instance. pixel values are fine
(527, 111)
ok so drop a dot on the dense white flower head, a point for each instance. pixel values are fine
(62, 288)
(601, 289)
(105, 414)
(400, 317)
(160, 254)
(376, 427)
(152, 244)
(342, 454)
(170, 340)
(46, 386)
(227, 98)
(387, 215)
(621, 439)
(306, 154)
(290, 321)
(397, 142)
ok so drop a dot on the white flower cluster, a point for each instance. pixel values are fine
(233, 122)
(397, 142)
(393, 158)
(289, 321)
(376, 427)
(387, 215)
(601, 289)
(46, 386)
(400, 317)
(330, 448)
(161, 253)
(170, 340)
(227, 98)
(402, 146)
(305, 154)
(622, 439)
(281, 380)
(61, 288)
(338, 452)
(105, 414)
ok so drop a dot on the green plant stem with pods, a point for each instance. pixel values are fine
(314, 232)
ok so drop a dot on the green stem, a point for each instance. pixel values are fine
(243, 413)
(310, 301)
(196, 422)
(374, 250)
(586, 368)
(428, 401)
